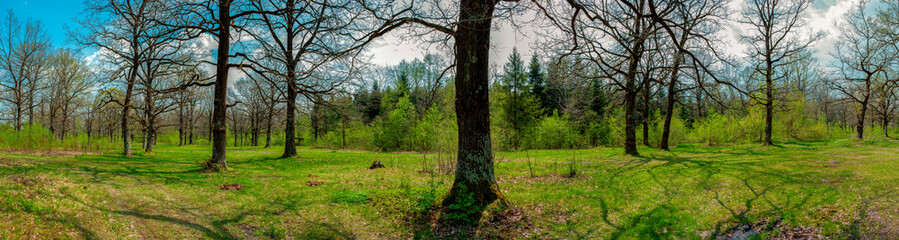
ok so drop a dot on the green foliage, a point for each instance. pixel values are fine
(464, 210)
(520, 109)
(350, 197)
(425, 200)
(37, 138)
(796, 124)
(717, 128)
(537, 82)
(432, 131)
(393, 132)
(555, 132)
(30, 138)
(678, 130)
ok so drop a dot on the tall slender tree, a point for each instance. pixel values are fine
(864, 60)
(775, 42)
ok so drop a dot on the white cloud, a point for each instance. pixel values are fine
(393, 48)
(828, 21)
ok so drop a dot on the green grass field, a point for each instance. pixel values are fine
(837, 189)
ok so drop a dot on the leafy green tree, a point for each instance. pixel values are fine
(394, 131)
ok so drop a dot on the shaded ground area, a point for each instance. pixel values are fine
(835, 190)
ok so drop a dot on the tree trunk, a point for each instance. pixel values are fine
(290, 148)
(65, 119)
(268, 129)
(31, 103)
(630, 100)
(647, 113)
(343, 132)
(886, 126)
(672, 93)
(151, 125)
(181, 126)
(219, 134)
(474, 169)
(18, 117)
(769, 100)
(191, 122)
(860, 127)
(669, 106)
(53, 122)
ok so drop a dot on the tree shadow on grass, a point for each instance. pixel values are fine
(677, 177)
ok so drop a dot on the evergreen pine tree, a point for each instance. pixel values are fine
(538, 84)
(522, 108)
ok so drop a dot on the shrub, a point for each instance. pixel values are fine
(712, 130)
(37, 138)
(678, 130)
(554, 132)
(393, 131)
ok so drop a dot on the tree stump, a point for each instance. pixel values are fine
(376, 165)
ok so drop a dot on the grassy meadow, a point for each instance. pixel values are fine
(839, 189)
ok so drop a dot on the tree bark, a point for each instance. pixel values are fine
(290, 148)
(150, 130)
(268, 129)
(860, 127)
(769, 96)
(672, 93)
(474, 168)
(219, 134)
(647, 113)
(630, 100)
(126, 107)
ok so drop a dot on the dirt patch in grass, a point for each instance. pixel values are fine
(231, 187)
(849, 156)
(30, 181)
(832, 164)
(882, 226)
(496, 223)
(548, 178)
(511, 223)
(874, 220)
(11, 163)
(766, 228)
(314, 183)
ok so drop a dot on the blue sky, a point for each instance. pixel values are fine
(54, 14)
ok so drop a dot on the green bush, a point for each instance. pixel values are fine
(37, 138)
(424, 200)
(393, 132)
(678, 132)
(712, 130)
(554, 132)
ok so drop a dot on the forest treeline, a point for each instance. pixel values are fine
(284, 73)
